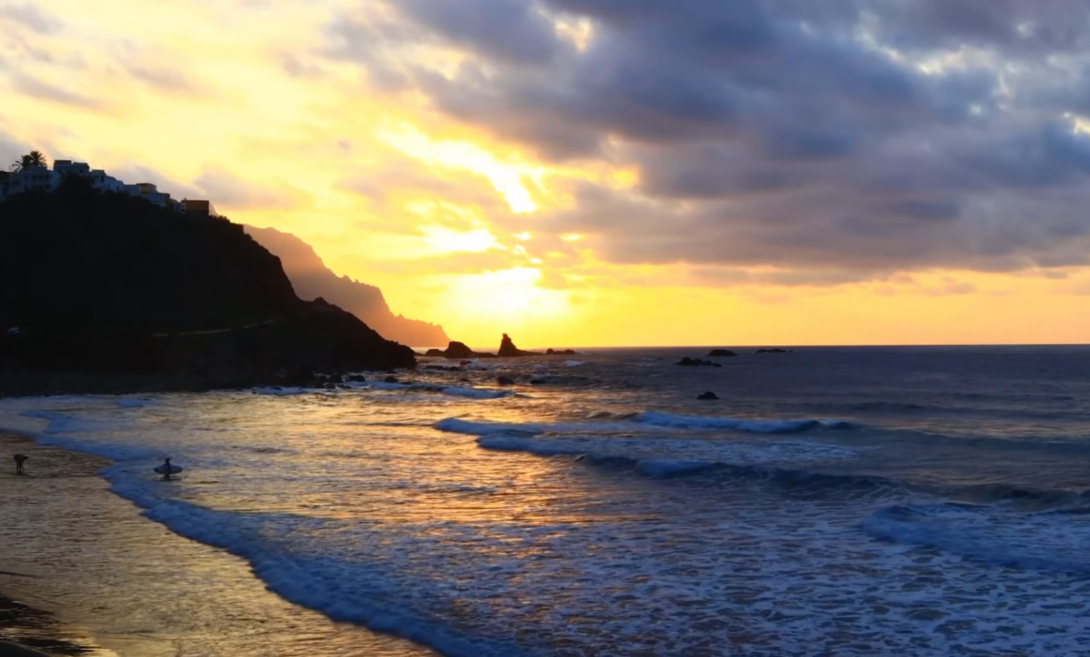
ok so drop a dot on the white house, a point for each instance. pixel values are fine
(32, 179)
(105, 183)
(68, 167)
(39, 178)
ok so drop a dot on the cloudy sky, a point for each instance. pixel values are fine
(588, 172)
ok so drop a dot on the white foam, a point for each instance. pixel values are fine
(734, 424)
(1042, 541)
(283, 391)
(574, 363)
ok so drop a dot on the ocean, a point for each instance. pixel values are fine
(839, 501)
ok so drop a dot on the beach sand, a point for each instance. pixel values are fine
(92, 577)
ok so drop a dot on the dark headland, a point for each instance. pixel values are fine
(103, 292)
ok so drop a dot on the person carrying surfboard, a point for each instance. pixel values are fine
(166, 469)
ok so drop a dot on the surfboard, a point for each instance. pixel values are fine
(162, 469)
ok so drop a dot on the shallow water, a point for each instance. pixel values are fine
(852, 501)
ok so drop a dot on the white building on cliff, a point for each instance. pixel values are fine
(40, 178)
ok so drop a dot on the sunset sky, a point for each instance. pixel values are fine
(609, 172)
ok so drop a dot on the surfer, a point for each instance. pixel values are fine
(166, 469)
(20, 459)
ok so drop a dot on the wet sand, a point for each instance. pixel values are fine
(92, 577)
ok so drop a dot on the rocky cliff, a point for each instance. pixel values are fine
(109, 283)
(312, 279)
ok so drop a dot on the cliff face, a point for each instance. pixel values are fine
(106, 282)
(312, 279)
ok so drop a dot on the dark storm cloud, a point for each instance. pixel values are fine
(511, 30)
(840, 139)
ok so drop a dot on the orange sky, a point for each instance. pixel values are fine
(262, 107)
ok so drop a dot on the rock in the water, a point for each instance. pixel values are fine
(708, 395)
(458, 350)
(390, 379)
(509, 350)
(357, 378)
(721, 353)
(561, 352)
(505, 381)
(776, 350)
(696, 362)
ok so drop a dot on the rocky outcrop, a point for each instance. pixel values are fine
(774, 351)
(696, 362)
(561, 352)
(311, 279)
(112, 284)
(721, 353)
(509, 350)
(708, 396)
(457, 351)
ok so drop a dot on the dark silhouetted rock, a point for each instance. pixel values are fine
(357, 378)
(444, 368)
(111, 284)
(435, 353)
(696, 362)
(505, 381)
(721, 353)
(708, 396)
(509, 350)
(459, 350)
(390, 379)
(774, 351)
(562, 352)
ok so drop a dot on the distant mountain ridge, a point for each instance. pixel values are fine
(312, 279)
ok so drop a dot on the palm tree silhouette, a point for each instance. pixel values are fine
(31, 159)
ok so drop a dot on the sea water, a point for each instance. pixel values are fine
(924, 501)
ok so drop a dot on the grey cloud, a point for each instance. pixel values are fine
(30, 16)
(164, 79)
(510, 30)
(223, 188)
(837, 139)
(37, 88)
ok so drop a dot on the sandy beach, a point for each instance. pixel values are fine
(83, 573)
(31, 629)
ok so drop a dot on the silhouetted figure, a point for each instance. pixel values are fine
(20, 459)
(166, 469)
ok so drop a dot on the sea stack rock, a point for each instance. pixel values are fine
(721, 353)
(696, 362)
(509, 350)
(708, 396)
(459, 350)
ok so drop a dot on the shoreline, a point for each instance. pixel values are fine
(26, 628)
(89, 575)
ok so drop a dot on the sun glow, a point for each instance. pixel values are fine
(505, 177)
(508, 300)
